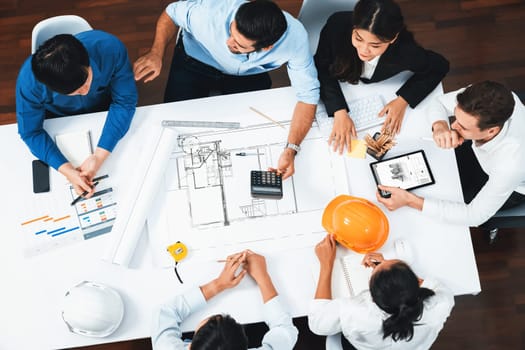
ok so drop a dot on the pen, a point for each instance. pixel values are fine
(76, 200)
(375, 262)
(100, 178)
(244, 154)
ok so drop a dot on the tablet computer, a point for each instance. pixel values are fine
(407, 171)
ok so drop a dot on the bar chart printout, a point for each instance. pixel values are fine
(54, 223)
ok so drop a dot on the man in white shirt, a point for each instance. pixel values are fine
(494, 119)
(222, 331)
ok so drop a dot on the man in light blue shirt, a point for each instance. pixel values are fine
(69, 75)
(230, 45)
(221, 331)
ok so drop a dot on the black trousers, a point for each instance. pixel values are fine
(473, 178)
(190, 78)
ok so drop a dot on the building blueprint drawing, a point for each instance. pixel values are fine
(205, 199)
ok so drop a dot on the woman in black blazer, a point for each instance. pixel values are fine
(372, 44)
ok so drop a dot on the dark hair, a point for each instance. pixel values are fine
(396, 291)
(61, 63)
(220, 332)
(490, 102)
(261, 21)
(382, 18)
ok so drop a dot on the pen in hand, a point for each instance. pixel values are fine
(76, 200)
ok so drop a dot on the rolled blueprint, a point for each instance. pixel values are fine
(134, 205)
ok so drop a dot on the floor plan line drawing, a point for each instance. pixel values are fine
(205, 198)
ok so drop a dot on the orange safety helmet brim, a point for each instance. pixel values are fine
(356, 223)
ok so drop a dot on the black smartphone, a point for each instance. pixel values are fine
(40, 176)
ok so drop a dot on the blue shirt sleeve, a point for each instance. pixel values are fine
(30, 114)
(301, 66)
(112, 79)
(123, 97)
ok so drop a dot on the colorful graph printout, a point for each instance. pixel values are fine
(56, 223)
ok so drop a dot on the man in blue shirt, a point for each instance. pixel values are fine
(230, 45)
(222, 331)
(69, 75)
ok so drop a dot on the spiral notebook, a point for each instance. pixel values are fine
(349, 276)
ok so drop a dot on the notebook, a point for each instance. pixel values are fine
(75, 146)
(349, 276)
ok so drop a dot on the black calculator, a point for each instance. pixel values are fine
(266, 184)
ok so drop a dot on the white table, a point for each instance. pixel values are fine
(33, 288)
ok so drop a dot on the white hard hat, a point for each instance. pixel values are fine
(92, 309)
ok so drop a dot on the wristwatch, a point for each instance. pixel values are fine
(293, 146)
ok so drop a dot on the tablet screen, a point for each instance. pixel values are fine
(407, 171)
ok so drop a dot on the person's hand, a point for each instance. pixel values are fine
(395, 111)
(90, 166)
(325, 251)
(372, 259)
(80, 183)
(228, 277)
(342, 132)
(148, 66)
(444, 137)
(255, 265)
(285, 166)
(399, 198)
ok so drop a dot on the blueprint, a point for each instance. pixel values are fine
(205, 199)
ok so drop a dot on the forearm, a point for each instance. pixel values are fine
(101, 155)
(165, 31)
(324, 285)
(302, 120)
(66, 169)
(211, 289)
(267, 288)
(415, 202)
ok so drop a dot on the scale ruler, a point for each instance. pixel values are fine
(200, 124)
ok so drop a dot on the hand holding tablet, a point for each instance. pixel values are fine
(407, 171)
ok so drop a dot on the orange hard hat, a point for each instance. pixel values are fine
(356, 223)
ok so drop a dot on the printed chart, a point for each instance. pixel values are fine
(55, 223)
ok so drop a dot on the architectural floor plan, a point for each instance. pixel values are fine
(205, 199)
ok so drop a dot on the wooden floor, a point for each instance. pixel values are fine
(481, 38)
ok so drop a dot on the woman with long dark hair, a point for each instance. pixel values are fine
(371, 44)
(400, 311)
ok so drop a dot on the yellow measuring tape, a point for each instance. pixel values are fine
(178, 251)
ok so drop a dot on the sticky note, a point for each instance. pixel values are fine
(358, 149)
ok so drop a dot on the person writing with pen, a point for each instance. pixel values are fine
(399, 311)
(75, 74)
(221, 331)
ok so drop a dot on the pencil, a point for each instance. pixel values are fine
(267, 117)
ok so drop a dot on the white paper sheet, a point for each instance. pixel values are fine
(206, 203)
(141, 192)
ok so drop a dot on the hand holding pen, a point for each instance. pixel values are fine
(84, 194)
(373, 259)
